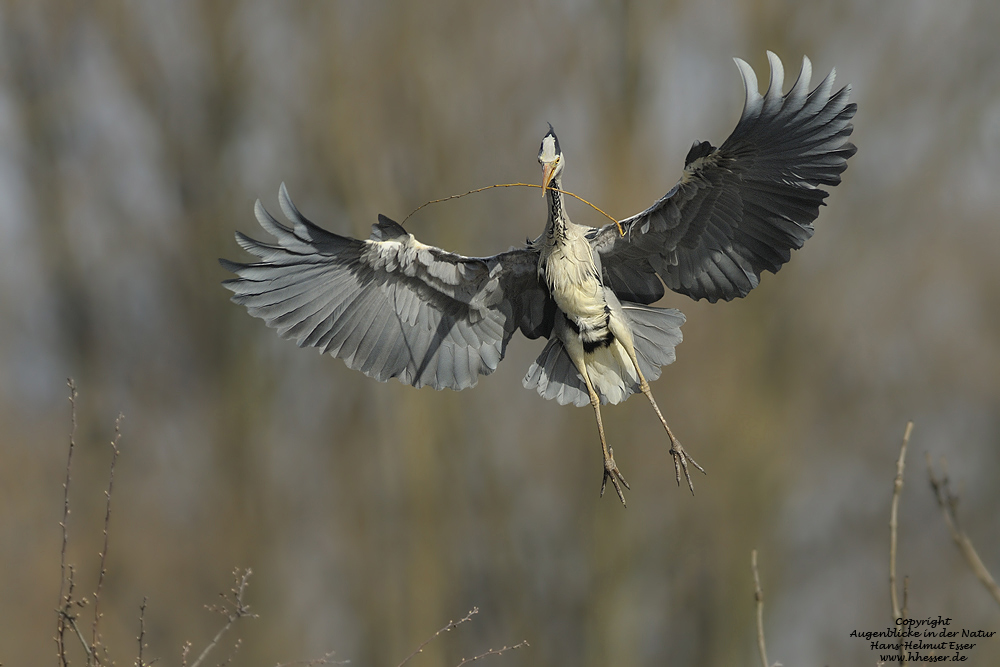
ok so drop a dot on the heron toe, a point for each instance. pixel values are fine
(612, 472)
(681, 460)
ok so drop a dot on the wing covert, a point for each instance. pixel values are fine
(739, 209)
(389, 306)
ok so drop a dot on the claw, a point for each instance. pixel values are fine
(611, 471)
(681, 460)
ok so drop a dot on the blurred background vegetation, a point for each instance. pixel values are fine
(134, 138)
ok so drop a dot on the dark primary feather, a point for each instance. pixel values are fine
(740, 209)
(390, 306)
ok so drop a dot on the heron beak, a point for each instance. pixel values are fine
(548, 169)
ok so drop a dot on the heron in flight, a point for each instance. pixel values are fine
(391, 306)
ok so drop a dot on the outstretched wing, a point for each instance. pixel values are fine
(741, 208)
(389, 306)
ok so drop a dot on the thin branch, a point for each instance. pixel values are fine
(448, 628)
(758, 595)
(212, 644)
(64, 599)
(140, 661)
(515, 185)
(233, 609)
(95, 634)
(91, 655)
(232, 654)
(67, 621)
(897, 489)
(493, 651)
(948, 503)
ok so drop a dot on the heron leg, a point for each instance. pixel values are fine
(680, 456)
(610, 467)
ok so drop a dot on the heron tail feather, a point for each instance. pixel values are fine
(655, 333)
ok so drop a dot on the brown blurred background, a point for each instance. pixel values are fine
(135, 137)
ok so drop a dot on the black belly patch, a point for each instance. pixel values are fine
(591, 345)
(593, 339)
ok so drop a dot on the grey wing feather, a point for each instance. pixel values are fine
(555, 377)
(389, 306)
(655, 332)
(739, 209)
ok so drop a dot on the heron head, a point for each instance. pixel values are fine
(551, 158)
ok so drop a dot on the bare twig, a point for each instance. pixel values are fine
(897, 489)
(65, 581)
(758, 595)
(448, 628)
(515, 185)
(67, 612)
(140, 661)
(233, 608)
(493, 651)
(68, 617)
(948, 502)
(232, 654)
(91, 656)
(95, 634)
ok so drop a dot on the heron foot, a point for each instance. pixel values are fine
(681, 460)
(612, 472)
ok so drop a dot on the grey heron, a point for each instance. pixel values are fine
(391, 306)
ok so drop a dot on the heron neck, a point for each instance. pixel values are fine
(557, 213)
